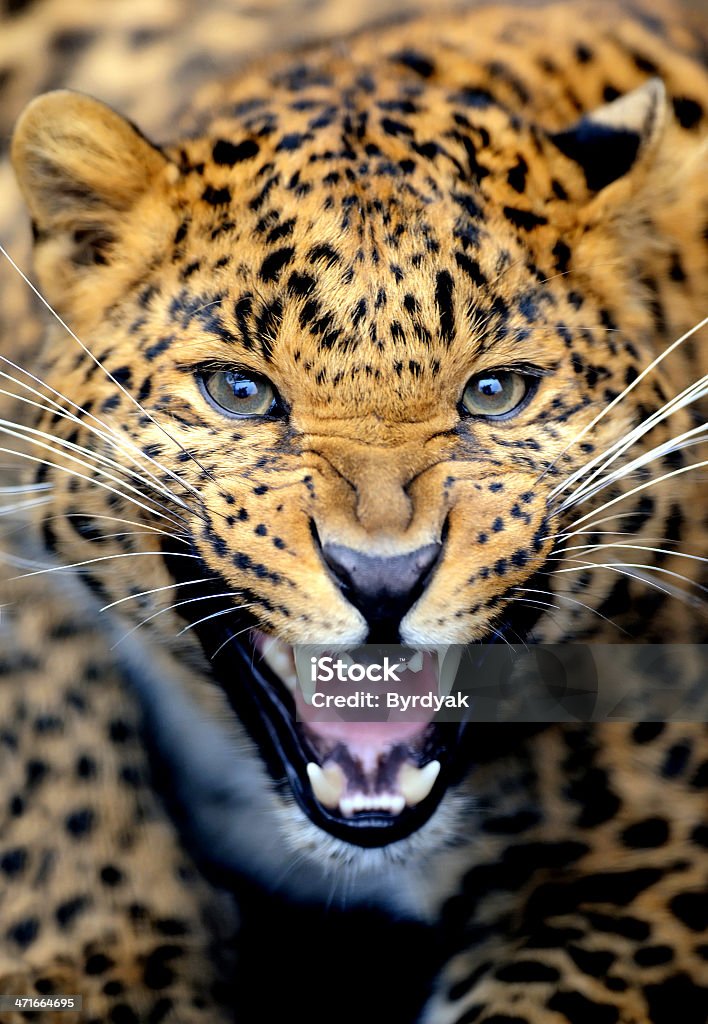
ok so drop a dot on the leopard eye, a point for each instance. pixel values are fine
(496, 394)
(240, 393)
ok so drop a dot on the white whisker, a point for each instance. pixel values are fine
(119, 441)
(636, 490)
(102, 558)
(630, 387)
(98, 363)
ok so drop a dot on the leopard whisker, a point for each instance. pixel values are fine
(623, 394)
(693, 393)
(107, 435)
(622, 567)
(10, 427)
(216, 615)
(102, 558)
(121, 442)
(685, 440)
(572, 600)
(98, 362)
(636, 490)
(233, 636)
(118, 519)
(634, 547)
(153, 590)
(172, 607)
(92, 480)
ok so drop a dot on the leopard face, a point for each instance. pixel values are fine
(360, 346)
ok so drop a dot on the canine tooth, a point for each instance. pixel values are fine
(303, 654)
(327, 783)
(290, 681)
(416, 662)
(415, 783)
(448, 663)
(278, 657)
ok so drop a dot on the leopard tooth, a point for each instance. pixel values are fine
(278, 657)
(303, 654)
(416, 662)
(328, 783)
(415, 783)
(449, 659)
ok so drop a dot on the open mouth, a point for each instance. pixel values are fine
(368, 779)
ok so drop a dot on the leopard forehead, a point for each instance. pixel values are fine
(343, 255)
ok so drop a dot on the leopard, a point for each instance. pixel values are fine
(394, 338)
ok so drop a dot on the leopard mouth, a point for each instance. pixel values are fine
(368, 782)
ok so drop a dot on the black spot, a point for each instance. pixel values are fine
(123, 375)
(119, 731)
(111, 876)
(416, 62)
(645, 732)
(647, 834)
(699, 836)
(393, 127)
(158, 348)
(652, 956)
(80, 823)
(67, 911)
(292, 141)
(443, 299)
(699, 779)
(323, 252)
(561, 256)
(594, 963)
(300, 284)
(70, 42)
(123, 1014)
(36, 772)
(228, 154)
(527, 971)
(675, 760)
(676, 271)
(158, 974)
(24, 932)
(524, 218)
(471, 268)
(517, 175)
(677, 996)
(274, 263)
(583, 53)
(691, 908)
(13, 862)
(98, 963)
(688, 112)
(216, 196)
(580, 1010)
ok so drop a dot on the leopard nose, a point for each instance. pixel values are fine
(383, 589)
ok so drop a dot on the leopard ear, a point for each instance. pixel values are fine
(621, 135)
(80, 166)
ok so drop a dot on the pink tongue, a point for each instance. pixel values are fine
(363, 730)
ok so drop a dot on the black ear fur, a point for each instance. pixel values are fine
(611, 140)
